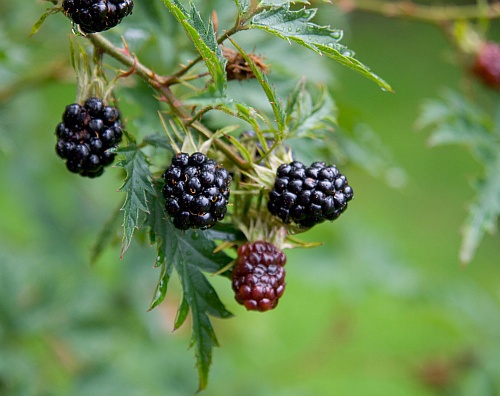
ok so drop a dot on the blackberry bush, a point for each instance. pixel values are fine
(195, 98)
(97, 15)
(86, 134)
(258, 278)
(196, 191)
(183, 209)
(309, 195)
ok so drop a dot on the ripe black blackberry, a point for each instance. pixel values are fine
(97, 15)
(309, 196)
(196, 191)
(258, 278)
(85, 135)
(487, 65)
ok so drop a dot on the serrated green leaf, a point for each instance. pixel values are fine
(483, 213)
(161, 286)
(295, 26)
(159, 141)
(457, 120)
(157, 223)
(461, 133)
(225, 232)
(190, 253)
(274, 101)
(451, 107)
(293, 97)
(136, 185)
(205, 41)
(182, 313)
(306, 116)
(243, 6)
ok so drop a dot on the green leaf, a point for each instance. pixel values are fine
(205, 41)
(295, 26)
(225, 232)
(190, 253)
(38, 24)
(274, 101)
(483, 213)
(243, 6)
(162, 285)
(456, 120)
(305, 116)
(182, 313)
(159, 141)
(136, 185)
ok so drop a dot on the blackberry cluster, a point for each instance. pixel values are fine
(196, 191)
(487, 65)
(97, 15)
(85, 135)
(309, 196)
(258, 278)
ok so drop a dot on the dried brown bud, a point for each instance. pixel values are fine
(237, 67)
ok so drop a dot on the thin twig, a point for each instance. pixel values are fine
(159, 84)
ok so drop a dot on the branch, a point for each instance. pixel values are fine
(432, 14)
(162, 86)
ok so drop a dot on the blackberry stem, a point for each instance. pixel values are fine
(162, 85)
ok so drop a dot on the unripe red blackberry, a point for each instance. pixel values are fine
(85, 134)
(97, 15)
(196, 191)
(309, 196)
(258, 278)
(487, 65)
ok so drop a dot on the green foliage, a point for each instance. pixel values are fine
(136, 185)
(276, 105)
(307, 117)
(203, 37)
(454, 120)
(38, 24)
(384, 295)
(243, 6)
(189, 253)
(297, 26)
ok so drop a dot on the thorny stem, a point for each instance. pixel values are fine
(424, 13)
(159, 83)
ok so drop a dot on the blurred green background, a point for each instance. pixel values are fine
(382, 308)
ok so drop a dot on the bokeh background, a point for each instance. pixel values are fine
(383, 307)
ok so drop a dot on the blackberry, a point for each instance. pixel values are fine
(97, 15)
(85, 134)
(196, 191)
(309, 196)
(258, 278)
(487, 65)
